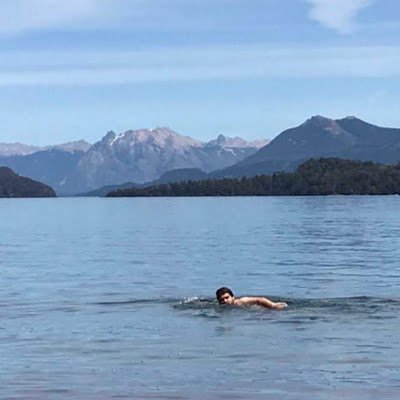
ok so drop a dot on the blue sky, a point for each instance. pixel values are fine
(73, 69)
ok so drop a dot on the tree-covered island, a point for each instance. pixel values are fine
(323, 176)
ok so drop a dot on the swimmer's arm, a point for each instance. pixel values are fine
(263, 302)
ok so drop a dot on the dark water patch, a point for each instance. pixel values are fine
(206, 315)
(56, 391)
(66, 309)
(131, 302)
(357, 361)
(298, 321)
(344, 304)
(108, 340)
(239, 356)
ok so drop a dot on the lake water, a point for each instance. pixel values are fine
(114, 298)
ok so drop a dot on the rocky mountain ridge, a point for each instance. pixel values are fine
(133, 156)
(144, 155)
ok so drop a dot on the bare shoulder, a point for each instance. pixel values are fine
(260, 301)
(247, 300)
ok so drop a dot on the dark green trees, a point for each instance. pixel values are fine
(324, 176)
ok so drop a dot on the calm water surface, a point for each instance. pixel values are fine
(113, 298)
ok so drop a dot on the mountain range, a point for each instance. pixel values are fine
(151, 156)
(346, 138)
(136, 156)
(20, 149)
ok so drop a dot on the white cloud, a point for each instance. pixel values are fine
(337, 14)
(196, 63)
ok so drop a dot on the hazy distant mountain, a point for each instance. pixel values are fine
(13, 149)
(104, 190)
(348, 138)
(49, 166)
(144, 155)
(178, 175)
(13, 185)
(19, 149)
(237, 142)
(79, 145)
(175, 175)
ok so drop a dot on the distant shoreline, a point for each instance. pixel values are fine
(321, 177)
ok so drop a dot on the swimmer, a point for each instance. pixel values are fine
(226, 296)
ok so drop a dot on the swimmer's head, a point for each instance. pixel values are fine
(225, 296)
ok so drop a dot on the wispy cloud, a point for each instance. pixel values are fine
(24, 15)
(196, 63)
(337, 14)
(20, 16)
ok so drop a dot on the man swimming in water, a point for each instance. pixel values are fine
(226, 296)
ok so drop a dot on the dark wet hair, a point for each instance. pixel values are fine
(221, 291)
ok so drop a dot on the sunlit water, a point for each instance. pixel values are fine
(113, 298)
